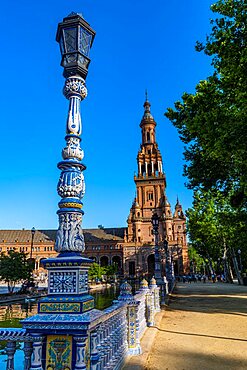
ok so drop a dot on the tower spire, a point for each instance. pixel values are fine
(146, 94)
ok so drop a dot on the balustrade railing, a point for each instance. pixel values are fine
(13, 337)
(113, 333)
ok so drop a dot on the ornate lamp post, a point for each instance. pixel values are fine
(57, 321)
(32, 238)
(240, 261)
(75, 37)
(157, 266)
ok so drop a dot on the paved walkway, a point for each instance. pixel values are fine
(204, 328)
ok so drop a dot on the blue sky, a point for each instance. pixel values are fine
(139, 45)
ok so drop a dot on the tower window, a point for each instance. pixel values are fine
(150, 195)
(148, 137)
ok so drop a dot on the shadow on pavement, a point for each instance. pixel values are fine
(194, 360)
(200, 335)
(210, 298)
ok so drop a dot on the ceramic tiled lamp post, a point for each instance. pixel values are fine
(58, 326)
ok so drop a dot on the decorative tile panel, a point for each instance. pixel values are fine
(59, 352)
(62, 282)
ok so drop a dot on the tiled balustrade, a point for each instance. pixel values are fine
(112, 334)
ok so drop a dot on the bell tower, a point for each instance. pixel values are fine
(151, 198)
(150, 183)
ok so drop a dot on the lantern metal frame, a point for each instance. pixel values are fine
(75, 37)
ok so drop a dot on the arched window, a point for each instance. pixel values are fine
(148, 137)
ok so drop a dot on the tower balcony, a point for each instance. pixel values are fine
(145, 176)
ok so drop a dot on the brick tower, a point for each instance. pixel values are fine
(151, 198)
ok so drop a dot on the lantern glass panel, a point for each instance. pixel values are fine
(61, 43)
(69, 59)
(84, 41)
(83, 61)
(70, 39)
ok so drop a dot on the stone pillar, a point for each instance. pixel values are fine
(36, 363)
(150, 309)
(156, 293)
(144, 285)
(28, 350)
(140, 168)
(134, 347)
(94, 358)
(10, 351)
(80, 352)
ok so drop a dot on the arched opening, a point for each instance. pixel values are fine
(117, 261)
(143, 170)
(104, 261)
(149, 169)
(132, 268)
(93, 258)
(151, 265)
(148, 137)
(176, 267)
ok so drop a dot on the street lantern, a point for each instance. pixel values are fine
(75, 37)
(155, 222)
(32, 233)
(240, 261)
(166, 245)
(157, 260)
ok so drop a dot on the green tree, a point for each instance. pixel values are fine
(212, 124)
(197, 262)
(14, 268)
(216, 229)
(95, 272)
(111, 270)
(212, 121)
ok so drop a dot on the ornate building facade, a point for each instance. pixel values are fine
(138, 249)
(132, 248)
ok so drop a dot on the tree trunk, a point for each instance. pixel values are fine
(235, 264)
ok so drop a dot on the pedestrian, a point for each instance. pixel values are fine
(204, 278)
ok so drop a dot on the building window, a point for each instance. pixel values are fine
(148, 137)
(150, 195)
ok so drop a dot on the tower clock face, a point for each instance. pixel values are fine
(63, 282)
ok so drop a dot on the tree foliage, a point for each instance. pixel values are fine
(197, 262)
(216, 229)
(212, 121)
(212, 124)
(14, 268)
(96, 271)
